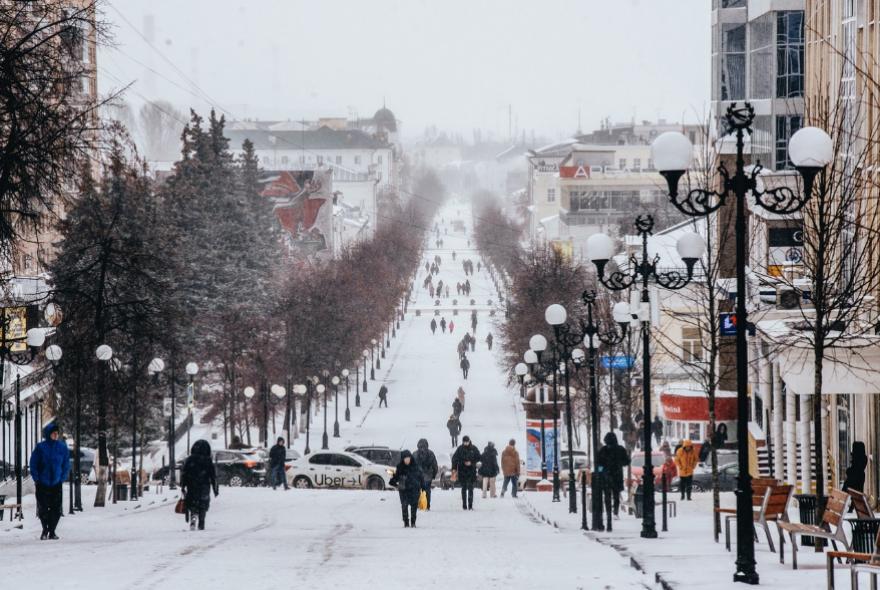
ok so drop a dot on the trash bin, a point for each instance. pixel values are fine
(864, 531)
(807, 509)
(638, 496)
(121, 492)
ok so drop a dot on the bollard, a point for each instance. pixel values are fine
(663, 492)
(584, 501)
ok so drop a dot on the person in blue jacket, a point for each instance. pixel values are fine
(50, 466)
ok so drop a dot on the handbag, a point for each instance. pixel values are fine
(423, 500)
(180, 507)
(454, 476)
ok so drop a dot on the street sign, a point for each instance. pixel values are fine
(166, 407)
(728, 324)
(618, 362)
(189, 395)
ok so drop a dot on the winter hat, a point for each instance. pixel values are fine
(491, 445)
(610, 439)
(512, 442)
(686, 443)
(404, 454)
(422, 444)
(465, 439)
(48, 429)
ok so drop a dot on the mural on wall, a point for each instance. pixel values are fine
(304, 208)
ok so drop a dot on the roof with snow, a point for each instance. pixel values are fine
(322, 138)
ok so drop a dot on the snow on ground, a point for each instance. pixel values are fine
(257, 537)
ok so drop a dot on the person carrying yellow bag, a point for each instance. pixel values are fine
(408, 480)
(423, 500)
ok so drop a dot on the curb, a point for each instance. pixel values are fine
(623, 551)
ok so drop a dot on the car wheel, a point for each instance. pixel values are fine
(375, 483)
(697, 487)
(236, 480)
(302, 482)
(84, 479)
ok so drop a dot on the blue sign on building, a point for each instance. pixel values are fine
(617, 362)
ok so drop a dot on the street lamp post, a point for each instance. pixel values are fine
(567, 339)
(345, 374)
(191, 370)
(325, 442)
(538, 343)
(249, 392)
(357, 397)
(540, 374)
(375, 364)
(53, 355)
(690, 248)
(306, 390)
(279, 391)
(810, 150)
(335, 382)
(521, 370)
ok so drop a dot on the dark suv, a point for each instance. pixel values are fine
(238, 468)
(377, 454)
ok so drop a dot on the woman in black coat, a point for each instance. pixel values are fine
(197, 481)
(855, 473)
(408, 479)
(489, 468)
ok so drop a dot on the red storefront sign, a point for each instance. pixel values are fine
(574, 172)
(695, 408)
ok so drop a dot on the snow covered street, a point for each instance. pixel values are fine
(257, 537)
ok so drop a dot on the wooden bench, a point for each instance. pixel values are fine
(861, 504)
(830, 528)
(863, 510)
(760, 487)
(13, 509)
(870, 566)
(774, 508)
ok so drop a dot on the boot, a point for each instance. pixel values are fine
(405, 523)
(192, 524)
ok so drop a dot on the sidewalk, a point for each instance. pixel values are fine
(686, 557)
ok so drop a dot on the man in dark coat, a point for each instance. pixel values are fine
(433, 325)
(427, 462)
(454, 427)
(50, 466)
(457, 408)
(383, 396)
(657, 429)
(197, 480)
(464, 464)
(611, 459)
(465, 365)
(489, 341)
(489, 469)
(443, 324)
(408, 480)
(277, 456)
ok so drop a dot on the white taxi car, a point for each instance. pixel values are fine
(336, 469)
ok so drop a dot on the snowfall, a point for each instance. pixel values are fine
(257, 537)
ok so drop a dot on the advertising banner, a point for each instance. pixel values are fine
(534, 445)
(190, 390)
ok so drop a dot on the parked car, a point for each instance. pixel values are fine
(638, 466)
(377, 454)
(238, 468)
(86, 462)
(290, 456)
(725, 457)
(727, 476)
(327, 469)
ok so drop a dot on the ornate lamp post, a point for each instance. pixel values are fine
(810, 150)
(542, 373)
(280, 392)
(375, 362)
(345, 374)
(325, 441)
(304, 390)
(567, 340)
(601, 248)
(335, 382)
(521, 370)
(357, 396)
(191, 370)
(249, 393)
(538, 343)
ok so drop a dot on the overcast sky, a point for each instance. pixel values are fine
(456, 64)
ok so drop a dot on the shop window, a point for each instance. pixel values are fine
(733, 62)
(691, 345)
(551, 195)
(789, 53)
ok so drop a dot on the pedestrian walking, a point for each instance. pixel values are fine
(454, 427)
(855, 473)
(686, 462)
(458, 288)
(197, 480)
(611, 459)
(510, 468)
(453, 256)
(431, 290)
(456, 408)
(408, 480)
(383, 396)
(433, 325)
(50, 466)
(478, 266)
(277, 456)
(705, 450)
(657, 429)
(489, 469)
(447, 291)
(473, 342)
(719, 439)
(427, 462)
(464, 466)
(489, 341)
(451, 326)
(465, 365)
(443, 324)
(460, 396)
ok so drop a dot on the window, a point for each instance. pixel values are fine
(785, 128)
(322, 459)
(320, 159)
(691, 345)
(733, 62)
(637, 163)
(357, 160)
(265, 160)
(379, 158)
(789, 53)
(344, 461)
(339, 159)
(551, 195)
(621, 163)
(285, 160)
(650, 164)
(761, 56)
(733, 3)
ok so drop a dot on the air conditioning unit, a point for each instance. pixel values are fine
(787, 297)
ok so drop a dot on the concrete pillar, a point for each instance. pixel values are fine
(776, 418)
(805, 439)
(790, 436)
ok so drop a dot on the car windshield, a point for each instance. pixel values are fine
(638, 460)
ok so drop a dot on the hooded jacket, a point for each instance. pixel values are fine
(510, 461)
(426, 460)
(198, 477)
(686, 459)
(611, 459)
(50, 460)
(464, 461)
(408, 478)
(454, 426)
(489, 461)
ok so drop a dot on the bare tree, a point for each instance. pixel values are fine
(161, 125)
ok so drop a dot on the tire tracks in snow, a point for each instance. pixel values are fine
(324, 550)
(387, 371)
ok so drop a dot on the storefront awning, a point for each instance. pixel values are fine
(688, 405)
(844, 370)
